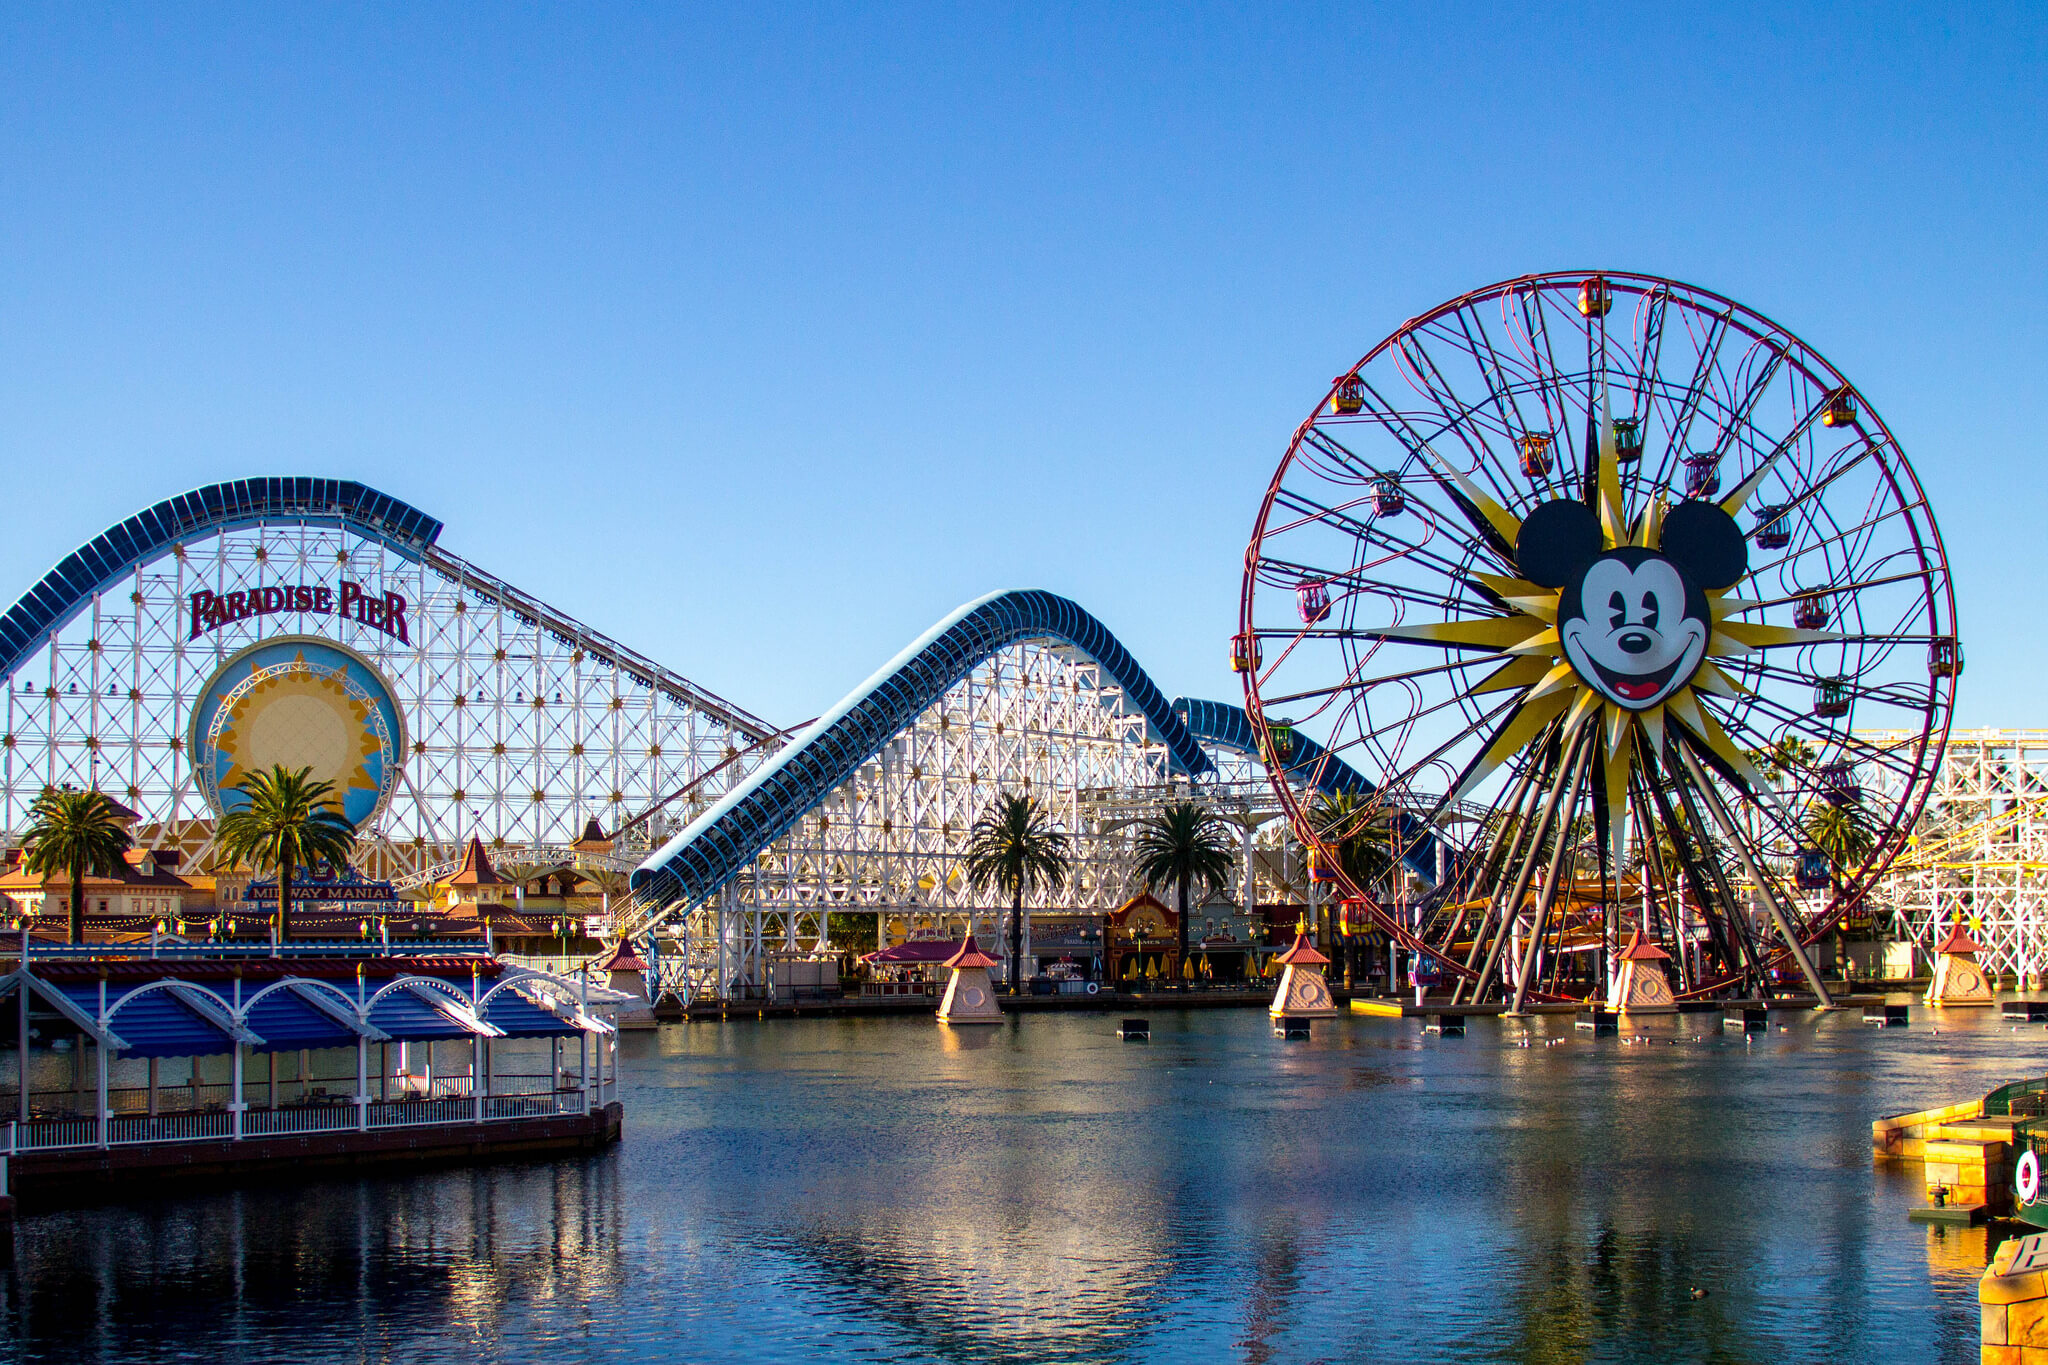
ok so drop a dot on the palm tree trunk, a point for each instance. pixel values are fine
(284, 899)
(77, 926)
(1016, 940)
(1180, 967)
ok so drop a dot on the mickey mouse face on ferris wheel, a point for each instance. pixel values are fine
(1632, 621)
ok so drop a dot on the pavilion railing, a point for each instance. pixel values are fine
(335, 1115)
(182, 1098)
(38, 1134)
(324, 1118)
(187, 1127)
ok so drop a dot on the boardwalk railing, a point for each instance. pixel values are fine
(126, 1130)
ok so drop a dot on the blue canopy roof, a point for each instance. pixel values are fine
(156, 1024)
(521, 1018)
(287, 1023)
(405, 1016)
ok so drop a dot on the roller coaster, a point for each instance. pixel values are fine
(522, 726)
(1416, 599)
(736, 839)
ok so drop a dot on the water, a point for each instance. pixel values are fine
(870, 1189)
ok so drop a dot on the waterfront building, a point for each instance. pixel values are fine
(121, 1063)
(160, 663)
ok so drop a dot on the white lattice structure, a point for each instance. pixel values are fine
(521, 722)
(891, 842)
(1979, 854)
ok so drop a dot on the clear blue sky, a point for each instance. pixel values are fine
(761, 337)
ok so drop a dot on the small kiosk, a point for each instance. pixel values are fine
(1958, 980)
(627, 974)
(1303, 993)
(970, 998)
(1641, 987)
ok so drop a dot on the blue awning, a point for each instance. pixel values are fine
(287, 1023)
(407, 1018)
(178, 1022)
(153, 1024)
(521, 1018)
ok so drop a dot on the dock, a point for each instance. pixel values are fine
(55, 1168)
(1968, 1151)
(1102, 1002)
(150, 1072)
(1408, 1009)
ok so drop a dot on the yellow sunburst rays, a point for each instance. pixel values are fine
(1535, 665)
(298, 680)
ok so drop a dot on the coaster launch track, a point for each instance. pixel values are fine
(725, 838)
(116, 552)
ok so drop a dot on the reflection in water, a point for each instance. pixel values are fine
(320, 1272)
(887, 1190)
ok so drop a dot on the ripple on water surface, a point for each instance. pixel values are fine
(868, 1189)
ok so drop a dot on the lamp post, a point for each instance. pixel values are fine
(22, 922)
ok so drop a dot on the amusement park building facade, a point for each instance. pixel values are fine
(321, 623)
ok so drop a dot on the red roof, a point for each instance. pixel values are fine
(970, 955)
(476, 867)
(1302, 954)
(623, 959)
(1639, 951)
(1144, 900)
(1958, 941)
(121, 813)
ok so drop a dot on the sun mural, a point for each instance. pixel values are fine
(299, 703)
(1616, 624)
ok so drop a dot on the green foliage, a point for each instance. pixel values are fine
(1841, 832)
(290, 822)
(77, 834)
(851, 933)
(1667, 846)
(1360, 832)
(1014, 848)
(1184, 844)
(1789, 756)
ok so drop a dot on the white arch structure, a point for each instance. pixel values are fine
(577, 1003)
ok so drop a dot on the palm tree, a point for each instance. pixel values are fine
(1014, 848)
(1667, 844)
(289, 822)
(1789, 756)
(1184, 844)
(1842, 833)
(1360, 832)
(75, 833)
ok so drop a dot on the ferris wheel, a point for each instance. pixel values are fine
(1597, 576)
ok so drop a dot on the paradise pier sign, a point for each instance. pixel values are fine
(386, 611)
